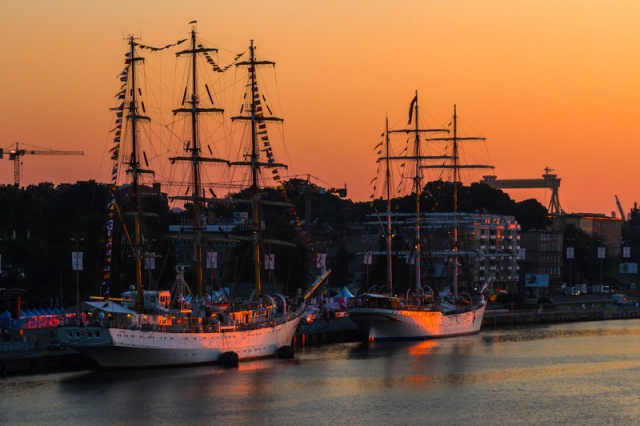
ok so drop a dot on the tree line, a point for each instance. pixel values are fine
(41, 225)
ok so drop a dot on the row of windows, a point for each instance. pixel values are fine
(550, 270)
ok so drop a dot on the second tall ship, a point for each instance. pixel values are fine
(420, 313)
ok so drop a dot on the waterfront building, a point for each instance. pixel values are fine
(488, 246)
(543, 255)
(609, 228)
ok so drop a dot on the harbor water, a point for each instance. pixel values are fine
(579, 373)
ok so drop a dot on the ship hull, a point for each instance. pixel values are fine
(381, 324)
(127, 348)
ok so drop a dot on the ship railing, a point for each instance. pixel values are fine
(261, 323)
(116, 324)
(211, 328)
(421, 308)
(254, 325)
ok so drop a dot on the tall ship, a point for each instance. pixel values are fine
(421, 313)
(154, 328)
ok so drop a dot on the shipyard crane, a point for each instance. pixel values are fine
(551, 181)
(621, 210)
(17, 153)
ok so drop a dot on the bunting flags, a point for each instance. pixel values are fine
(115, 155)
(108, 241)
(215, 66)
(264, 138)
(155, 49)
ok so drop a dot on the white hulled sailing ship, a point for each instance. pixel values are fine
(420, 313)
(144, 328)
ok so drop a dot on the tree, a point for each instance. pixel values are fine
(531, 214)
(43, 219)
(339, 266)
(634, 216)
(587, 268)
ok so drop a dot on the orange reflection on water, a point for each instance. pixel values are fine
(418, 352)
(423, 348)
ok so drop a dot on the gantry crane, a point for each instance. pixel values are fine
(17, 153)
(550, 181)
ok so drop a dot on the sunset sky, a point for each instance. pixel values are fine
(549, 83)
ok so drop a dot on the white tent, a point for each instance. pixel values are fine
(110, 307)
(344, 293)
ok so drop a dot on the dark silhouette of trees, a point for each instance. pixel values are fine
(37, 224)
(585, 264)
(530, 214)
(339, 266)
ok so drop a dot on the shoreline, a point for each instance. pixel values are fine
(344, 330)
(21, 358)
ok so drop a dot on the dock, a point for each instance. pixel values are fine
(30, 354)
(342, 329)
(504, 317)
(322, 331)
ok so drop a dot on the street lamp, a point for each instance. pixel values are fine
(522, 256)
(76, 263)
(570, 256)
(366, 261)
(626, 254)
(600, 256)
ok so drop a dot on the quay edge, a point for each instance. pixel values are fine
(30, 357)
(344, 330)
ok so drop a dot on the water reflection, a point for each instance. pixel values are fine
(372, 350)
(572, 330)
(563, 374)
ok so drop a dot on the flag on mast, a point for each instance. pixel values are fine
(413, 103)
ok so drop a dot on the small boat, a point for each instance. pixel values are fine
(151, 328)
(419, 314)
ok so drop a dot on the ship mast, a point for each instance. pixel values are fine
(389, 235)
(257, 126)
(417, 178)
(455, 165)
(418, 190)
(135, 170)
(255, 192)
(456, 186)
(194, 155)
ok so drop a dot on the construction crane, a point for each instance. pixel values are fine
(17, 153)
(622, 215)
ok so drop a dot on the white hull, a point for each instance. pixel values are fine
(402, 324)
(127, 348)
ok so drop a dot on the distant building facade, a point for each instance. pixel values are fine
(543, 255)
(498, 238)
(487, 248)
(126, 191)
(610, 228)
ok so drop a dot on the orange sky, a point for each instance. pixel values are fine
(549, 83)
